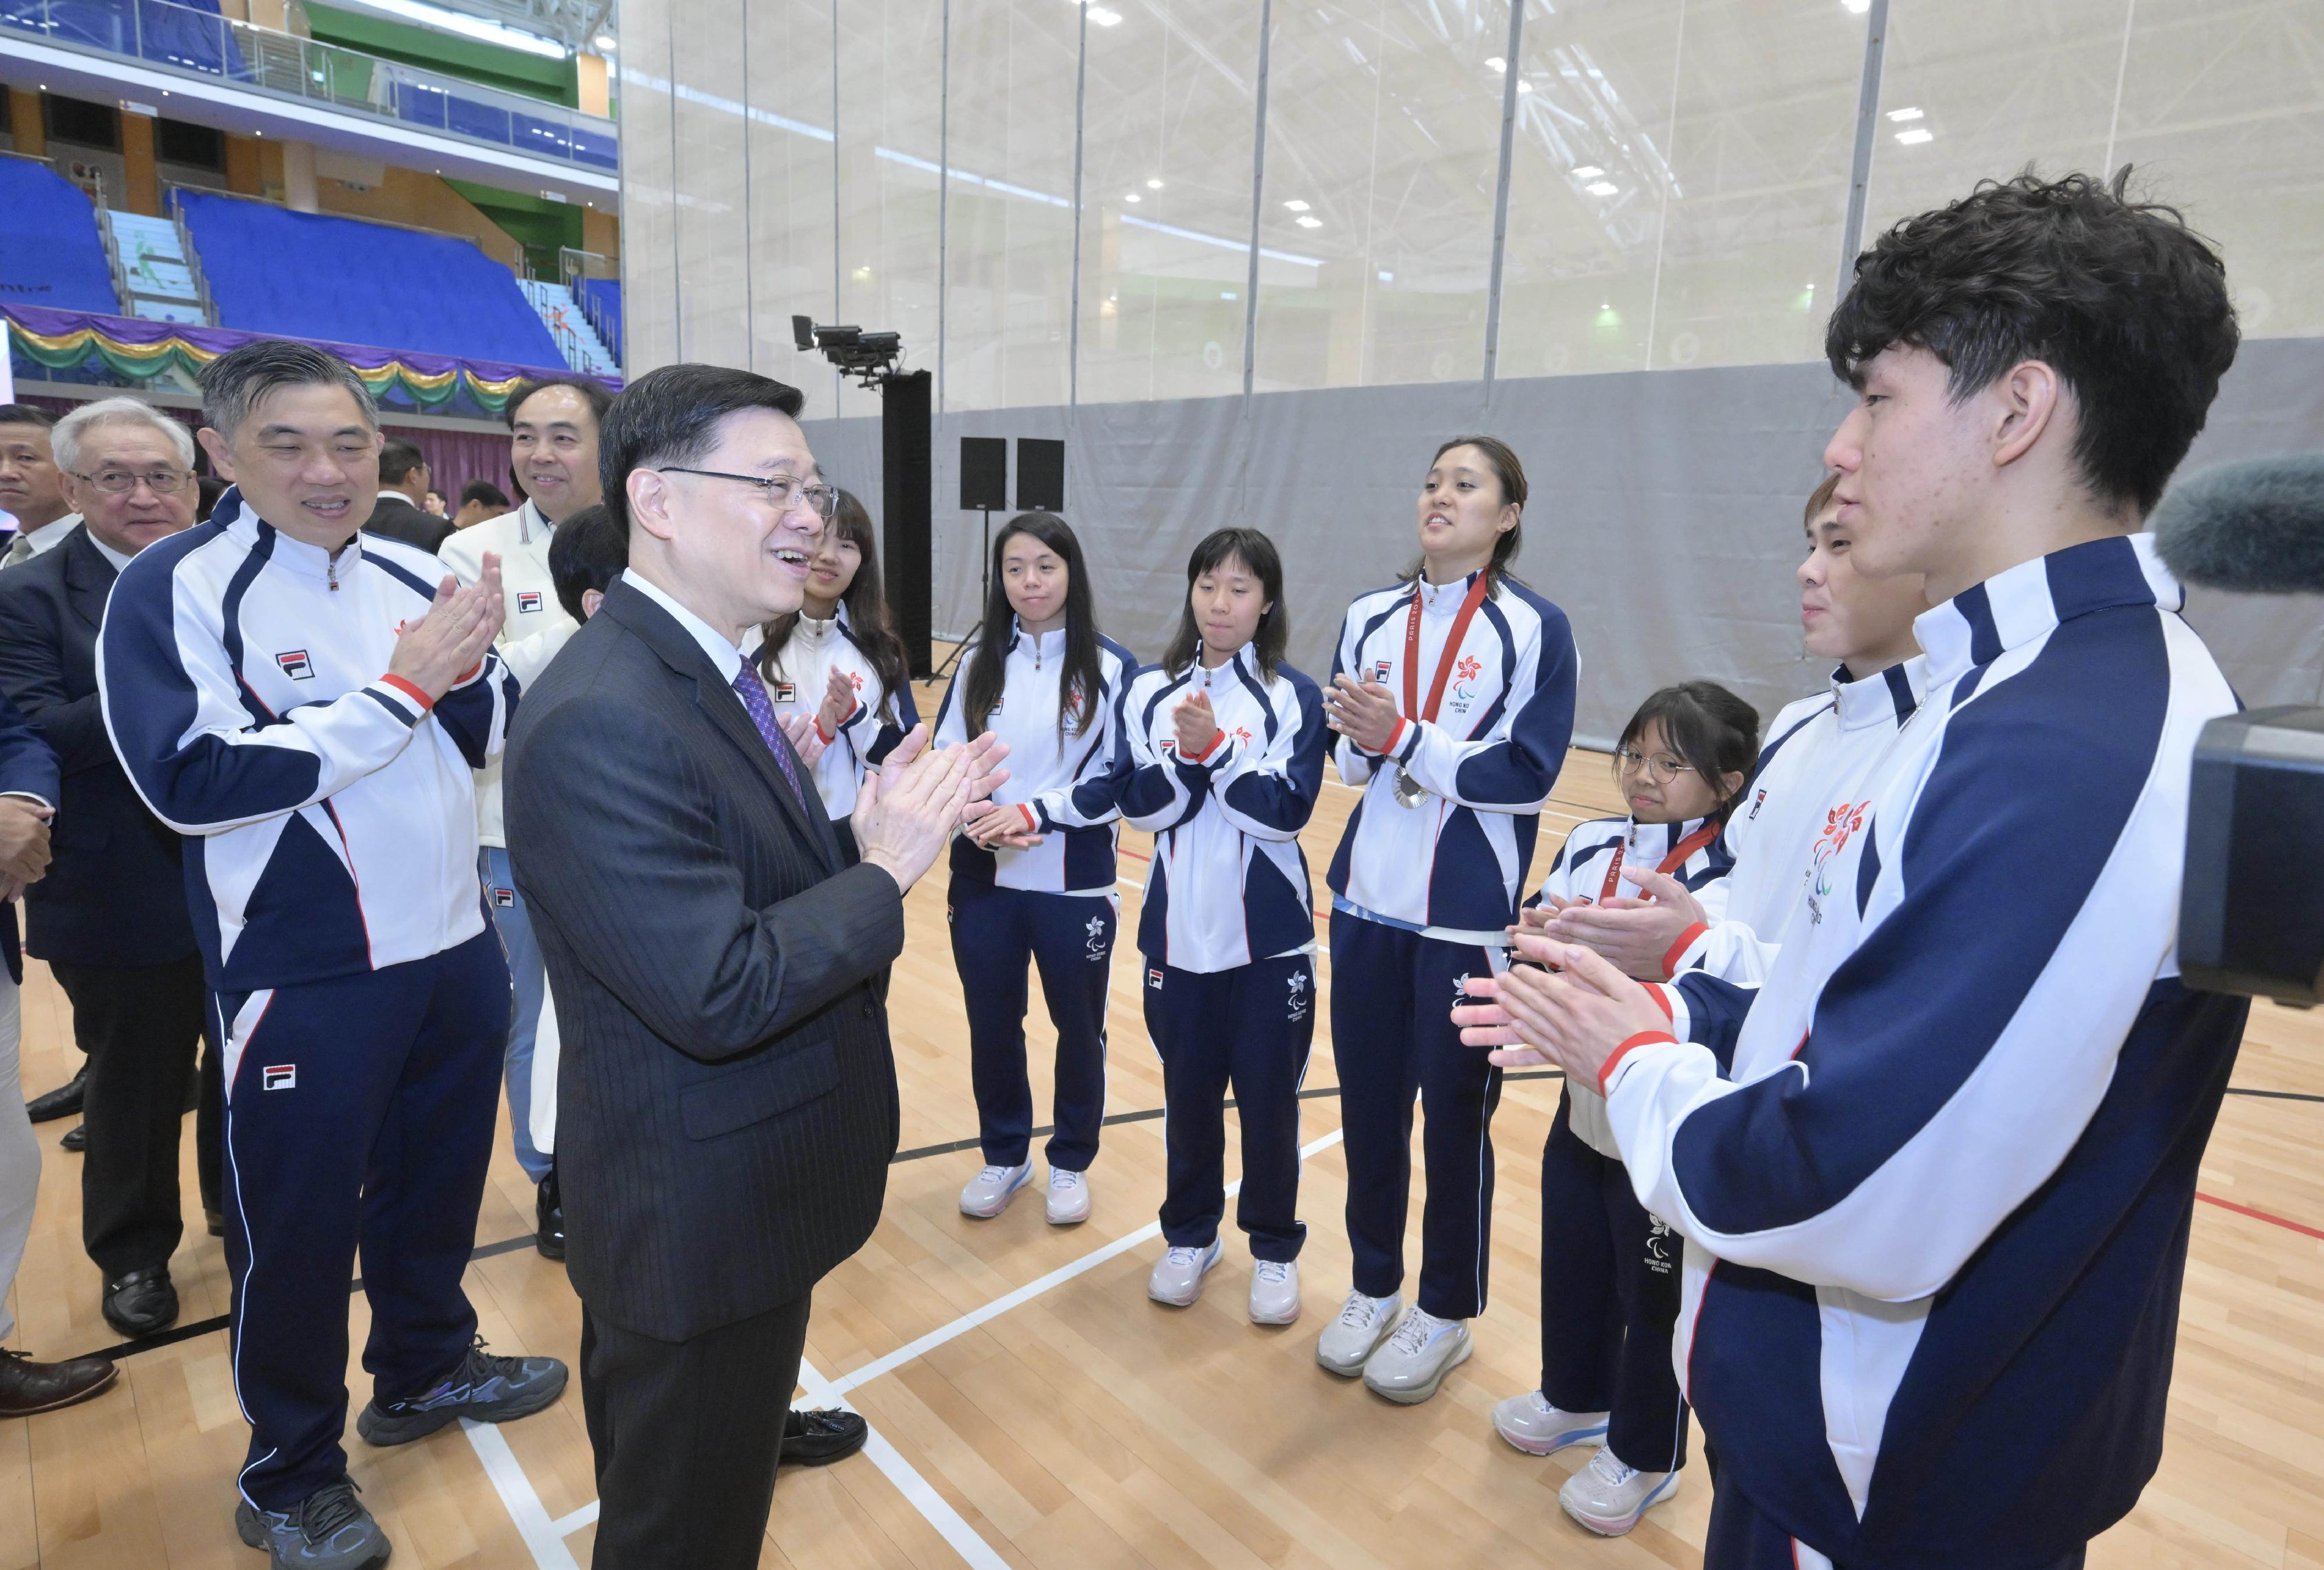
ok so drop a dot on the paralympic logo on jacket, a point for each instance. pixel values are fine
(1839, 826)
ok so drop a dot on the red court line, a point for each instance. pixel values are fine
(2258, 1214)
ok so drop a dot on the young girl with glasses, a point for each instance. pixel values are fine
(1452, 695)
(837, 659)
(1609, 1272)
(1033, 876)
(1226, 759)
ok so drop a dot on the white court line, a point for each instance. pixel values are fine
(539, 1533)
(934, 1508)
(1032, 1290)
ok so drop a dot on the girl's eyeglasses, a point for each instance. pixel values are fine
(1660, 768)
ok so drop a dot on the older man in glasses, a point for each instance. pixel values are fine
(111, 917)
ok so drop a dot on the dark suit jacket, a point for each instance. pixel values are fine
(27, 768)
(726, 1100)
(115, 893)
(398, 519)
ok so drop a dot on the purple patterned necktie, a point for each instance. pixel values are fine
(753, 693)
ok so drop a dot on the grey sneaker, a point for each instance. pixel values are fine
(987, 1194)
(489, 1388)
(329, 1529)
(1363, 1324)
(1411, 1363)
(1609, 1496)
(1534, 1426)
(1274, 1291)
(1177, 1276)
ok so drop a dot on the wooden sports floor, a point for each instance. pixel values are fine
(1031, 1407)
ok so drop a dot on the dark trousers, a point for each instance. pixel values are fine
(1741, 1538)
(687, 1435)
(1609, 1292)
(1250, 1027)
(359, 1111)
(141, 1026)
(1392, 1031)
(995, 932)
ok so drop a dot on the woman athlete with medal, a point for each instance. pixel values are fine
(1452, 697)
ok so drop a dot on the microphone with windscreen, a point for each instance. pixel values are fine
(2250, 917)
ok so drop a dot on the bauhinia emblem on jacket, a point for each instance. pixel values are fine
(1464, 682)
(1839, 827)
(1298, 996)
(1096, 932)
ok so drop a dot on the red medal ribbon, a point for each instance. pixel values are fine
(1670, 863)
(1445, 660)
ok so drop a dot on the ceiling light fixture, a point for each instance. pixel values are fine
(1917, 135)
(1604, 188)
(1589, 171)
(1296, 205)
(1523, 86)
(1903, 114)
(1131, 197)
(1153, 185)
(605, 42)
(1856, 7)
(1497, 62)
(1102, 17)
(1311, 223)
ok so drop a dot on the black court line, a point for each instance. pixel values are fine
(176, 1334)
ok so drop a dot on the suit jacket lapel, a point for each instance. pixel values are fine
(718, 702)
(88, 577)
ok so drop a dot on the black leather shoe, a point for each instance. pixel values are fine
(76, 1138)
(27, 1387)
(549, 1218)
(64, 1101)
(820, 1438)
(141, 1303)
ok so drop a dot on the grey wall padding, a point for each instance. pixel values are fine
(1665, 515)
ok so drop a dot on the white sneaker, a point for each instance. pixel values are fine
(1274, 1291)
(1411, 1363)
(1363, 1324)
(1609, 1497)
(988, 1192)
(1177, 1278)
(1069, 1197)
(1534, 1426)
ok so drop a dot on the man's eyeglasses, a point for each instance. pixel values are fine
(1660, 768)
(122, 481)
(781, 490)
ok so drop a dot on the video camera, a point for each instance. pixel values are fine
(2251, 918)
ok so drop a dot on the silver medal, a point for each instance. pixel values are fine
(1406, 789)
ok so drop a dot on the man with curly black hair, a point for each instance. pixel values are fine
(1937, 1209)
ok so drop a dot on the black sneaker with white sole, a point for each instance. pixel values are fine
(329, 1529)
(489, 1388)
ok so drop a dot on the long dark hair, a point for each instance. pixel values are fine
(1716, 732)
(987, 672)
(1258, 553)
(868, 622)
(1511, 472)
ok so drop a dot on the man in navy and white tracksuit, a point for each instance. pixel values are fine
(307, 706)
(1937, 1213)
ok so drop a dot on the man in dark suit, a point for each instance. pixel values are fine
(727, 1098)
(400, 512)
(28, 794)
(111, 917)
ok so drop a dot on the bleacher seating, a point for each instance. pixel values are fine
(309, 275)
(576, 340)
(50, 254)
(601, 302)
(154, 270)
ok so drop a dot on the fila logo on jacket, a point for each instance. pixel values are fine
(331, 815)
(1229, 884)
(1454, 862)
(1938, 1212)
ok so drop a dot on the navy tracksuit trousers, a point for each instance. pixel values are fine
(1609, 1294)
(995, 932)
(1392, 1032)
(1743, 1538)
(1250, 1027)
(359, 1112)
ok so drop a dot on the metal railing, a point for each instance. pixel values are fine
(282, 65)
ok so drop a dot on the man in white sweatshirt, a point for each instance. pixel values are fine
(553, 425)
